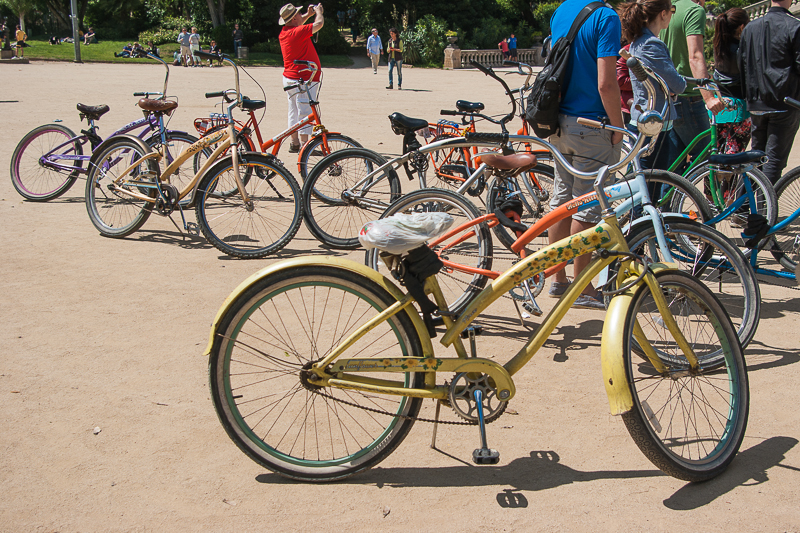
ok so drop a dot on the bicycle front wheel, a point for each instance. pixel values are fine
(335, 211)
(256, 228)
(113, 211)
(42, 165)
(707, 255)
(317, 148)
(266, 342)
(785, 246)
(473, 252)
(689, 423)
(732, 187)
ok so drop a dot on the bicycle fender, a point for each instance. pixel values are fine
(114, 138)
(646, 220)
(330, 262)
(615, 378)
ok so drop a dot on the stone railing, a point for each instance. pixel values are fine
(492, 58)
(760, 8)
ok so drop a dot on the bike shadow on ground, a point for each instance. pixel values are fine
(172, 238)
(61, 200)
(543, 470)
(772, 309)
(761, 356)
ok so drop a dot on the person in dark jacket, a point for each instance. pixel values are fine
(769, 63)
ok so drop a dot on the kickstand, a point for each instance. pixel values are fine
(519, 314)
(436, 423)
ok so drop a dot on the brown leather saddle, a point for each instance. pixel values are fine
(157, 107)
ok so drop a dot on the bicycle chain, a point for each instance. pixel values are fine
(404, 417)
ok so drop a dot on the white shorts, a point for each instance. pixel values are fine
(299, 108)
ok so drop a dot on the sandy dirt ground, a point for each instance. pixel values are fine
(110, 333)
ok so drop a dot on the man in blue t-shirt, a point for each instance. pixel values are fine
(590, 91)
(512, 46)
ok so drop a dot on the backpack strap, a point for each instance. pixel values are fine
(581, 18)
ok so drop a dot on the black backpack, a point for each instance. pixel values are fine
(543, 102)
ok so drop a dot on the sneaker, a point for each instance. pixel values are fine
(585, 301)
(557, 289)
(294, 148)
(390, 87)
(399, 87)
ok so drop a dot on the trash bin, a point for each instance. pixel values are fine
(243, 51)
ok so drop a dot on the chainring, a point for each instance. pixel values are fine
(463, 402)
(168, 200)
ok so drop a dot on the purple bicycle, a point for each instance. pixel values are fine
(50, 158)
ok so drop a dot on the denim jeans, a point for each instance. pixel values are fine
(774, 134)
(656, 160)
(399, 64)
(692, 120)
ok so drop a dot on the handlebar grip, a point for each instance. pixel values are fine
(447, 112)
(301, 62)
(486, 70)
(290, 87)
(636, 69)
(139, 94)
(478, 136)
(699, 81)
(792, 102)
(590, 122)
(216, 94)
(206, 55)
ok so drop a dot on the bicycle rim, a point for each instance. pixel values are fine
(29, 175)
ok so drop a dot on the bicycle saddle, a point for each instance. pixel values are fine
(743, 158)
(157, 106)
(402, 124)
(469, 107)
(93, 112)
(509, 162)
(252, 105)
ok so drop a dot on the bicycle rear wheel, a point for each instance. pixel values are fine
(33, 173)
(535, 188)
(733, 187)
(112, 211)
(253, 229)
(688, 423)
(706, 254)
(315, 150)
(265, 343)
(785, 246)
(334, 211)
(458, 285)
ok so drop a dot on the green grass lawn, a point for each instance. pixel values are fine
(104, 52)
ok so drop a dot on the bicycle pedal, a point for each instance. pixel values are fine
(477, 330)
(533, 308)
(192, 228)
(485, 456)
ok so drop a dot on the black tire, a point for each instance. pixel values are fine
(177, 143)
(449, 165)
(259, 228)
(285, 321)
(711, 258)
(688, 423)
(785, 246)
(765, 198)
(475, 251)
(535, 187)
(113, 212)
(333, 213)
(314, 151)
(680, 195)
(36, 182)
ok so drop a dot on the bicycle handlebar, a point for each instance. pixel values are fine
(792, 102)
(147, 94)
(478, 136)
(207, 55)
(447, 112)
(505, 120)
(216, 94)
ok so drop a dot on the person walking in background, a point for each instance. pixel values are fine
(194, 46)
(512, 47)
(374, 49)
(394, 52)
(503, 46)
(340, 15)
(295, 40)
(351, 16)
(684, 38)
(238, 36)
(733, 125)
(186, 52)
(769, 62)
(21, 38)
(590, 91)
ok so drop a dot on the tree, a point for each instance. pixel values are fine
(216, 9)
(21, 8)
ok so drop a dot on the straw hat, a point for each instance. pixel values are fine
(287, 13)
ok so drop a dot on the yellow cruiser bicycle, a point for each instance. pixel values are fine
(318, 365)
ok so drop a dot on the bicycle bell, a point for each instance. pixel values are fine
(650, 123)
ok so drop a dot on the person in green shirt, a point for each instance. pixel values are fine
(684, 38)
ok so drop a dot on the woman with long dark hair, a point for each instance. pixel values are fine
(733, 125)
(642, 20)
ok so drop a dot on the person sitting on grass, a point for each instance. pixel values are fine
(152, 50)
(126, 51)
(215, 49)
(89, 37)
(138, 51)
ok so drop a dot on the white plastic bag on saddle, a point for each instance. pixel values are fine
(400, 233)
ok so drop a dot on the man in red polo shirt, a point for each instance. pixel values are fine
(295, 40)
